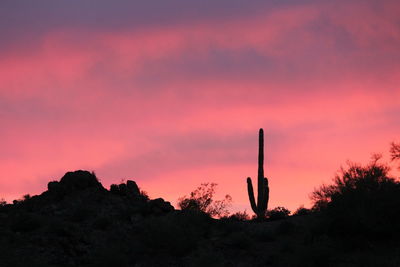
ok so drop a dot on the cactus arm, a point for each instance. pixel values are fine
(251, 195)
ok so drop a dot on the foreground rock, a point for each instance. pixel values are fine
(72, 218)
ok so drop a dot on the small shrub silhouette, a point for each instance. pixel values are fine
(277, 213)
(302, 211)
(239, 216)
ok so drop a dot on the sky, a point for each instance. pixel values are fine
(171, 94)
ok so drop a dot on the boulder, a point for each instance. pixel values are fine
(158, 205)
(72, 182)
(79, 180)
(53, 186)
(132, 187)
(129, 189)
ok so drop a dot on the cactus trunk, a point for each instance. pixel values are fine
(261, 206)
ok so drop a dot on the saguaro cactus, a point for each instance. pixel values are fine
(263, 189)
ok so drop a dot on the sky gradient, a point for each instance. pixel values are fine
(172, 93)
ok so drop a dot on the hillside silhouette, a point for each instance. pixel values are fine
(355, 221)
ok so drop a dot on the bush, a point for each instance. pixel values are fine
(302, 211)
(363, 200)
(277, 213)
(201, 200)
(239, 216)
(395, 151)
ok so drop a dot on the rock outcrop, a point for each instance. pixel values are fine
(73, 182)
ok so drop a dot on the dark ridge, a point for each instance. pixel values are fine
(77, 222)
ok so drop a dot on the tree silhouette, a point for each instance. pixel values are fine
(395, 151)
(202, 200)
(362, 200)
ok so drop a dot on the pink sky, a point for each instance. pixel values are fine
(177, 99)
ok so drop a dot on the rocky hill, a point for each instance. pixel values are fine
(77, 222)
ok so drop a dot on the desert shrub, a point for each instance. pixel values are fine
(277, 213)
(202, 200)
(363, 200)
(302, 211)
(239, 216)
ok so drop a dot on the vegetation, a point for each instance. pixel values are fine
(362, 201)
(201, 200)
(277, 213)
(239, 216)
(395, 152)
(302, 211)
(261, 206)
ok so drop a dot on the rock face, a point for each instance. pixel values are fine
(158, 206)
(129, 189)
(76, 214)
(74, 181)
(132, 187)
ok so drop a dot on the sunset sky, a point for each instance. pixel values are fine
(172, 93)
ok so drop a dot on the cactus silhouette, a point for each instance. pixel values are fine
(263, 189)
